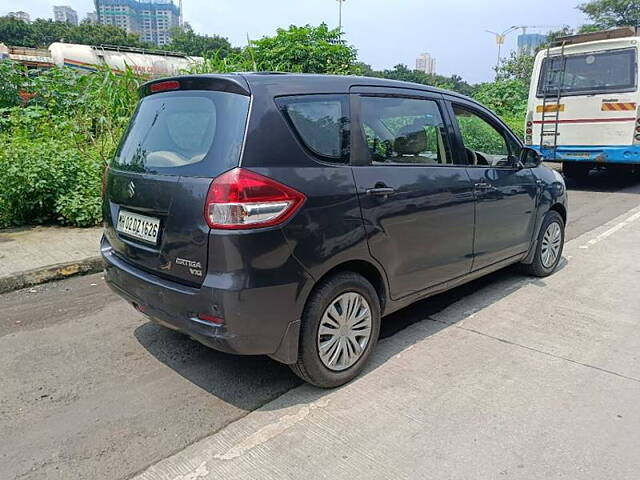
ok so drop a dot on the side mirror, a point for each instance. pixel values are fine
(529, 158)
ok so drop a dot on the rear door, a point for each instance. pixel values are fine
(158, 180)
(416, 200)
(506, 195)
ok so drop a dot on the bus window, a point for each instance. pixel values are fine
(589, 73)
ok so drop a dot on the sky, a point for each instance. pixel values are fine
(385, 32)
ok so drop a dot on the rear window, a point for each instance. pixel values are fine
(321, 122)
(600, 72)
(184, 133)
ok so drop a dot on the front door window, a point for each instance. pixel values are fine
(483, 143)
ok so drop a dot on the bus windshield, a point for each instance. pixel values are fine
(590, 73)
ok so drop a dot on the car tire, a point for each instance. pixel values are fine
(544, 264)
(321, 310)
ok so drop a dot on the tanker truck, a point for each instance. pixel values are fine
(88, 58)
(153, 63)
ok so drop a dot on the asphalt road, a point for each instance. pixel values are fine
(90, 389)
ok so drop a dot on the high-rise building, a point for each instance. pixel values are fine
(91, 18)
(426, 63)
(528, 43)
(152, 20)
(24, 16)
(66, 14)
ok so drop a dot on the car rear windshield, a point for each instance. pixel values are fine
(589, 73)
(190, 133)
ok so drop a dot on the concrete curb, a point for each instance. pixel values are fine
(49, 273)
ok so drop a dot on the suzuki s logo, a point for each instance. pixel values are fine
(131, 188)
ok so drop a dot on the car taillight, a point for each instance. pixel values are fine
(164, 86)
(242, 199)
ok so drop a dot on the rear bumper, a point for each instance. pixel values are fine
(258, 321)
(629, 154)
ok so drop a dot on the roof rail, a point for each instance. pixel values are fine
(621, 32)
(144, 51)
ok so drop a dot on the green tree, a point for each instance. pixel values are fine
(191, 43)
(612, 13)
(89, 34)
(403, 73)
(38, 34)
(42, 33)
(508, 99)
(516, 67)
(305, 49)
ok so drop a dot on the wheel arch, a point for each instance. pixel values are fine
(561, 209)
(555, 207)
(289, 347)
(362, 267)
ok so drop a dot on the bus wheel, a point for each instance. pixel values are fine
(575, 170)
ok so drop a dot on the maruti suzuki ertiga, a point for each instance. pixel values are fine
(286, 214)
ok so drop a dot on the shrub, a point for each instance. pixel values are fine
(508, 98)
(53, 149)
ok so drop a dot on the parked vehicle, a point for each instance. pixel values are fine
(286, 214)
(89, 58)
(152, 63)
(584, 102)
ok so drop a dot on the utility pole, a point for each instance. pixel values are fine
(340, 2)
(500, 37)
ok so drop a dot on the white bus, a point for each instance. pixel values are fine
(584, 102)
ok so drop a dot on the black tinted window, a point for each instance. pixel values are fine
(609, 71)
(404, 130)
(321, 122)
(183, 133)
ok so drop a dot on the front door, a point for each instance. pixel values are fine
(506, 194)
(417, 201)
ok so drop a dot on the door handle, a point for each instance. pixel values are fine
(483, 186)
(381, 191)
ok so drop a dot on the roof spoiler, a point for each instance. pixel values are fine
(231, 83)
(621, 32)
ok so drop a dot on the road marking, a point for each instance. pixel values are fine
(270, 431)
(612, 230)
(199, 472)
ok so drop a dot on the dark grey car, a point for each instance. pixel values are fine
(286, 214)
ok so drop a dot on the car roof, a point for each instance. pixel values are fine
(298, 83)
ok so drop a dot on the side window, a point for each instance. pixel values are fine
(321, 122)
(483, 143)
(404, 131)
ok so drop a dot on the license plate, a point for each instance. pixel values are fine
(138, 226)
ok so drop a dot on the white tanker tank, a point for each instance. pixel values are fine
(154, 63)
